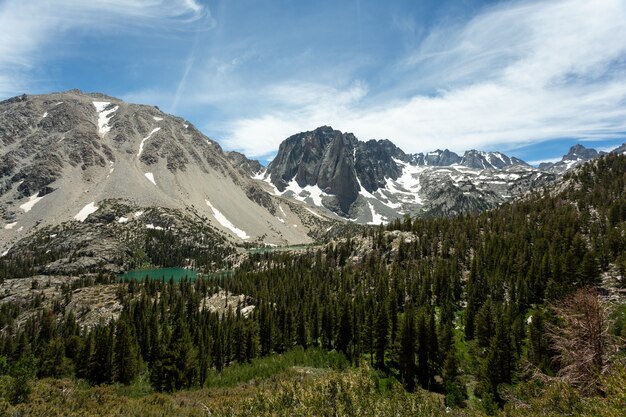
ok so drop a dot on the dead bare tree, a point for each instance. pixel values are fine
(583, 342)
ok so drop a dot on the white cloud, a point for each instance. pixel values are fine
(516, 74)
(30, 26)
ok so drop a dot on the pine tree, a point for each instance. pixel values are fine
(498, 364)
(455, 390)
(484, 324)
(406, 357)
(381, 337)
(344, 335)
(100, 366)
(125, 358)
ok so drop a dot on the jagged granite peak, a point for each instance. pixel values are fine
(299, 157)
(338, 164)
(436, 158)
(579, 152)
(489, 160)
(63, 154)
(577, 155)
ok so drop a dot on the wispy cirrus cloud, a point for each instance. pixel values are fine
(31, 30)
(519, 73)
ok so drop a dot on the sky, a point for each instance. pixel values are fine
(528, 78)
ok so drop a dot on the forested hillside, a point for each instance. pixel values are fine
(470, 308)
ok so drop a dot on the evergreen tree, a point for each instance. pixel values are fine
(381, 337)
(455, 390)
(125, 362)
(344, 335)
(100, 364)
(498, 364)
(407, 352)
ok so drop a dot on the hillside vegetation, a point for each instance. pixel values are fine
(471, 315)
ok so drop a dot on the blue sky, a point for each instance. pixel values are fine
(529, 78)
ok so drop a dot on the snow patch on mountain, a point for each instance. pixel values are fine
(259, 175)
(376, 218)
(409, 181)
(32, 200)
(226, 223)
(150, 177)
(302, 193)
(104, 116)
(10, 226)
(143, 141)
(314, 213)
(86, 211)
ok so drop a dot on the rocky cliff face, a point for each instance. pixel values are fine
(67, 157)
(333, 166)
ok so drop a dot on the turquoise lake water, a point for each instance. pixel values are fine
(159, 273)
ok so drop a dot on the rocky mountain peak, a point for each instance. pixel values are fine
(436, 158)
(579, 152)
(489, 160)
(576, 155)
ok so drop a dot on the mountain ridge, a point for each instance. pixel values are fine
(376, 181)
(63, 153)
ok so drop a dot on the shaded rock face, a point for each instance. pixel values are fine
(300, 158)
(336, 174)
(620, 149)
(374, 162)
(336, 162)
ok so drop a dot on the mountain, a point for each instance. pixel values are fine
(489, 160)
(576, 156)
(103, 168)
(471, 159)
(375, 181)
(620, 149)
(436, 158)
